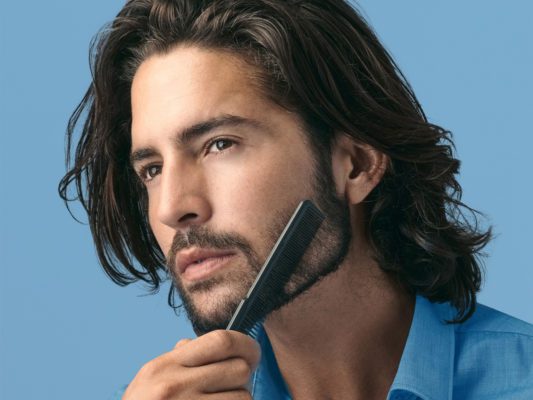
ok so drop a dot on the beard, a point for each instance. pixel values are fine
(324, 255)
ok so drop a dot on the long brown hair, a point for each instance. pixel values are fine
(320, 59)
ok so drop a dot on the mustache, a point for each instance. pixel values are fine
(200, 236)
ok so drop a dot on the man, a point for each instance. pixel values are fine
(208, 122)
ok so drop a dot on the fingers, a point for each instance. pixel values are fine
(233, 395)
(226, 375)
(217, 346)
(216, 366)
(166, 380)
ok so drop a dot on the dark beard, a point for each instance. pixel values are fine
(202, 237)
(323, 257)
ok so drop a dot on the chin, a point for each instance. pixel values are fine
(212, 308)
(211, 302)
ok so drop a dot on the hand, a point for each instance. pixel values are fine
(215, 366)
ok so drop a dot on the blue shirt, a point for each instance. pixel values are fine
(488, 357)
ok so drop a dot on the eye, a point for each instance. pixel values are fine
(149, 172)
(218, 145)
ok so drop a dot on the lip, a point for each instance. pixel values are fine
(196, 264)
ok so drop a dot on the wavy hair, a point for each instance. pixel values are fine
(320, 59)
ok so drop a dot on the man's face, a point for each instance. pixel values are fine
(224, 169)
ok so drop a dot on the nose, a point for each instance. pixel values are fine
(182, 199)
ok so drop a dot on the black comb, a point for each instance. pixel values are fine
(278, 267)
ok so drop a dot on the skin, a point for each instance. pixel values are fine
(234, 185)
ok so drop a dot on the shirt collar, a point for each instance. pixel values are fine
(426, 366)
(267, 382)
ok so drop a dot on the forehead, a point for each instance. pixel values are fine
(187, 85)
(189, 68)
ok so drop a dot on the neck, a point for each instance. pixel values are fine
(344, 337)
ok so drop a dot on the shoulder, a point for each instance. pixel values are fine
(494, 356)
(490, 321)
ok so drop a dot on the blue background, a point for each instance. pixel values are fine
(67, 332)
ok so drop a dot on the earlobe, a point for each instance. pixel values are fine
(357, 168)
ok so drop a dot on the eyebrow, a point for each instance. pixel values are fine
(195, 131)
(142, 154)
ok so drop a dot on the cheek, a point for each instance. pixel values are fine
(285, 179)
(248, 199)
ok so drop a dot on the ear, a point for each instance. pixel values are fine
(357, 168)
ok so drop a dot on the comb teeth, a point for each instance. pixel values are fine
(254, 331)
(278, 267)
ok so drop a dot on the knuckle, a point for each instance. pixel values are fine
(242, 369)
(182, 342)
(222, 340)
(163, 390)
(150, 369)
